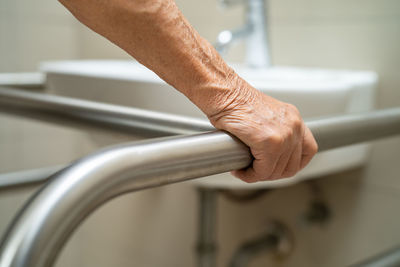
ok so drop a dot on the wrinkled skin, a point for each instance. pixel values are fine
(279, 141)
(156, 34)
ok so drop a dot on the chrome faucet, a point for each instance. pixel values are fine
(253, 32)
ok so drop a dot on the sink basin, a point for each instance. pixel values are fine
(316, 93)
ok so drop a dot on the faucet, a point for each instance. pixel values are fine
(253, 32)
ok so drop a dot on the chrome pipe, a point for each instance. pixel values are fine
(206, 239)
(329, 132)
(43, 226)
(79, 113)
(355, 128)
(40, 230)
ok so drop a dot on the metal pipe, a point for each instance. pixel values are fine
(106, 117)
(38, 233)
(206, 244)
(355, 128)
(329, 132)
(42, 227)
(389, 258)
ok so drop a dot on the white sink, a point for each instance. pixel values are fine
(316, 92)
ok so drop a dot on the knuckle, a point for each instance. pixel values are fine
(276, 139)
(259, 139)
(290, 133)
(296, 119)
(297, 123)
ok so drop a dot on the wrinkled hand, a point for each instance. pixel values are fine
(279, 141)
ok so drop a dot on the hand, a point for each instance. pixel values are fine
(279, 141)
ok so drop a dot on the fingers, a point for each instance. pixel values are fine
(294, 164)
(281, 166)
(310, 148)
(278, 139)
(287, 164)
(261, 169)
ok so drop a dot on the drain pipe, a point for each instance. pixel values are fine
(206, 244)
(277, 241)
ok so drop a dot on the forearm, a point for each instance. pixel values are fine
(157, 35)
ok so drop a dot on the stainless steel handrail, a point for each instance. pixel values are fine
(38, 233)
(89, 114)
(128, 120)
(40, 230)
(330, 132)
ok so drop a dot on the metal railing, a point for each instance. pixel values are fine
(85, 114)
(40, 230)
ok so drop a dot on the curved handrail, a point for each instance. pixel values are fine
(42, 227)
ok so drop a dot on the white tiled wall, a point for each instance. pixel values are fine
(32, 31)
(157, 227)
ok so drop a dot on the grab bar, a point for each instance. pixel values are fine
(40, 230)
(82, 113)
(89, 114)
(323, 128)
(42, 227)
